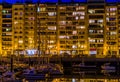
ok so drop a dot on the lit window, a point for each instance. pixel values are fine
(107, 14)
(81, 13)
(52, 28)
(51, 41)
(78, 13)
(62, 22)
(62, 8)
(100, 31)
(80, 27)
(74, 13)
(91, 11)
(69, 22)
(100, 21)
(80, 8)
(113, 33)
(74, 32)
(76, 18)
(101, 40)
(16, 22)
(67, 37)
(90, 31)
(91, 40)
(113, 9)
(91, 21)
(68, 52)
(8, 29)
(51, 13)
(50, 46)
(62, 37)
(61, 51)
(82, 17)
(31, 18)
(8, 33)
(74, 46)
(112, 14)
(42, 9)
(107, 19)
(38, 9)
(82, 46)
(20, 41)
(4, 11)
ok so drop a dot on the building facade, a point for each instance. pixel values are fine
(77, 29)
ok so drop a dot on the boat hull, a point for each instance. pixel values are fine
(35, 76)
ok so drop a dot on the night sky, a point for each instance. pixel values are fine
(50, 1)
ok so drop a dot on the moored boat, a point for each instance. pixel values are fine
(83, 66)
(8, 76)
(31, 74)
(107, 66)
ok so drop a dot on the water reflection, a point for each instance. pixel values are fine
(85, 76)
(76, 80)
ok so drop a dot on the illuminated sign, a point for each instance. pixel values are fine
(93, 51)
(31, 52)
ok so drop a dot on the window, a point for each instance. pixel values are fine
(52, 28)
(74, 46)
(82, 17)
(74, 32)
(31, 18)
(80, 27)
(113, 9)
(91, 21)
(62, 37)
(52, 13)
(42, 9)
(112, 14)
(78, 13)
(16, 22)
(113, 33)
(62, 8)
(21, 13)
(91, 40)
(76, 17)
(80, 8)
(38, 9)
(62, 22)
(91, 11)
(16, 13)
(100, 21)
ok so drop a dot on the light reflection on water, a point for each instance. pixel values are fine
(100, 76)
(76, 80)
(84, 76)
(90, 77)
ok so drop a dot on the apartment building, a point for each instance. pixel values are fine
(76, 28)
(96, 25)
(47, 23)
(18, 29)
(6, 29)
(111, 29)
(72, 29)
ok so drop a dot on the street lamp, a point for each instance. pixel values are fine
(30, 52)
(38, 28)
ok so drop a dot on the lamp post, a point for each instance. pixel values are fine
(11, 63)
(18, 49)
(30, 53)
(38, 31)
